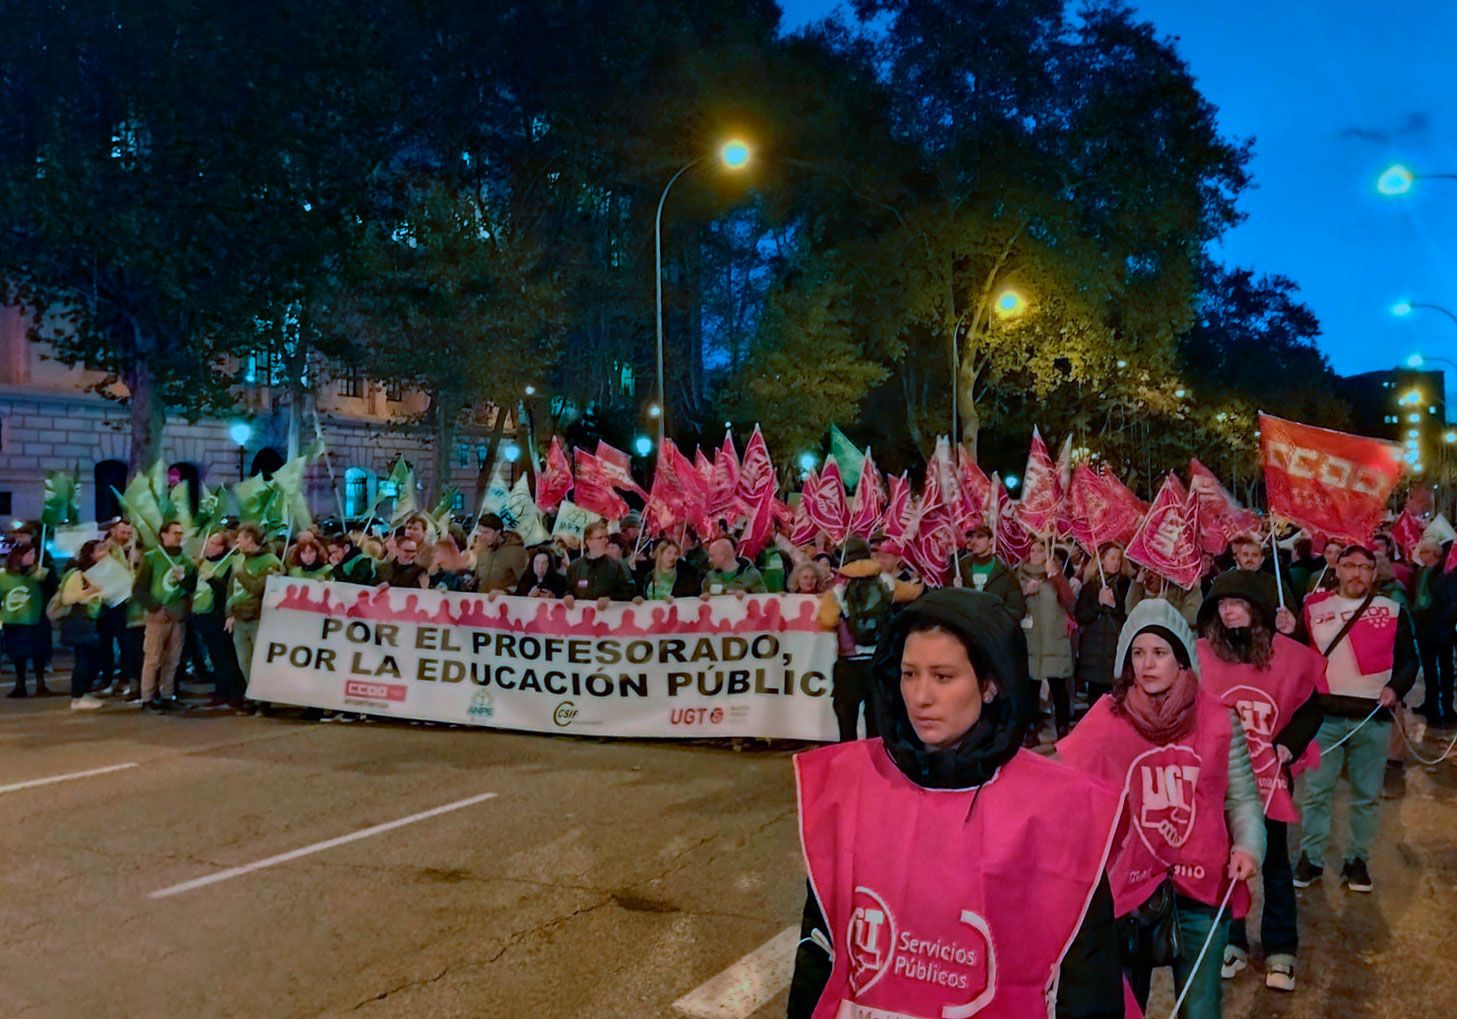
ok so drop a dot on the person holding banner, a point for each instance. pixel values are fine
(950, 871)
(1192, 829)
(307, 559)
(350, 563)
(25, 591)
(596, 576)
(669, 576)
(1371, 664)
(542, 579)
(500, 556)
(1274, 683)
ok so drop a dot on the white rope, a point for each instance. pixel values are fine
(1326, 750)
(1412, 747)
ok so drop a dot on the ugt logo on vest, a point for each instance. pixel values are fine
(1161, 786)
(1260, 716)
(871, 939)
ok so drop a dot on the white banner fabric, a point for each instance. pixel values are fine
(753, 667)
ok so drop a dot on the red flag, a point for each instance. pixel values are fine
(942, 488)
(756, 473)
(897, 507)
(869, 506)
(1130, 508)
(1220, 518)
(1167, 538)
(930, 542)
(976, 492)
(827, 506)
(594, 487)
(555, 480)
(703, 465)
(803, 530)
(723, 492)
(619, 468)
(1325, 480)
(1098, 515)
(1011, 539)
(1041, 492)
(760, 528)
(1407, 531)
(678, 495)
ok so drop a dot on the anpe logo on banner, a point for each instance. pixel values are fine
(482, 705)
(1161, 786)
(374, 691)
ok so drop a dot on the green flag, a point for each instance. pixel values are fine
(445, 509)
(62, 498)
(849, 458)
(253, 495)
(402, 476)
(146, 503)
(292, 504)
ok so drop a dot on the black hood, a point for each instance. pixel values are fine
(983, 623)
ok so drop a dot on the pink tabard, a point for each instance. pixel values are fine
(948, 903)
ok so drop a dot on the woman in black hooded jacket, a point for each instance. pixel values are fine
(933, 763)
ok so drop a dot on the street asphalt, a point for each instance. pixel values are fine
(226, 866)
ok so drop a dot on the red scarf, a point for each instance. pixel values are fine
(1164, 719)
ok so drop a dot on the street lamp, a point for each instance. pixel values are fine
(642, 445)
(734, 155)
(240, 432)
(1010, 304)
(807, 462)
(511, 452)
(1398, 179)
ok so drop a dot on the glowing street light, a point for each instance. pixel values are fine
(1010, 304)
(654, 411)
(807, 461)
(642, 445)
(1449, 438)
(1395, 180)
(240, 432)
(734, 155)
(530, 390)
(511, 452)
(1011, 481)
(1178, 394)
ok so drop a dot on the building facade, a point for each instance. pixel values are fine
(51, 418)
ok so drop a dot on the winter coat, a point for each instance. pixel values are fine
(1001, 584)
(687, 583)
(1186, 601)
(499, 568)
(744, 578)
(1046, 624)
(554, 582)
(1090, 981)
(604, 577)
(1098, 627)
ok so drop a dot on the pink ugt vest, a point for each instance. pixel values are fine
(1265, 700)
(948, 903)
(1173, 803)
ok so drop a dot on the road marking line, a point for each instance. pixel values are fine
(317, 847)
(71, 776)
(742, 989)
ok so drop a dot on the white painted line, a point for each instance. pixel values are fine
(742, 989)
(317, 847)
(70, 777)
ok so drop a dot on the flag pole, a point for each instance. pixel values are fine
(1275, 554)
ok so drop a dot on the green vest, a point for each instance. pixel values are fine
(253, 566)
(20, 599)
(324, 572)
(166, 590)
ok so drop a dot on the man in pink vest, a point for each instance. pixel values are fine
(1371, 664)
(1274, 684)
(952, 873)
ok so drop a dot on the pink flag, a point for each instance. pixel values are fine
(723, 493)
(865, 517)
(679, 496)
(1407, 530)
(943, 486)
(618, 466)
(1012, 540)
(898, 507)
(703, 466)
(1097, 515)
(976, 493)
(1130, 508)
(594, 488)
(1220, 518)
(1041, 492)
(756, 474)
(803, 530)
(1166, 539)
(930, 542)
(827, 506)
(760, 529)
(555, 480)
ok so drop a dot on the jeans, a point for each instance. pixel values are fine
(852, 688)
(245, 635)
(86, 666)
(1278, 932)
(1196, 920)
(1364, 758)
(1437, 669)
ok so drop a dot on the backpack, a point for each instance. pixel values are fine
(867, 603)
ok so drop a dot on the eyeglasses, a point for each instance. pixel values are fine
(1363, 567)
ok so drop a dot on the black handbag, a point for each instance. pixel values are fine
(1151, 932)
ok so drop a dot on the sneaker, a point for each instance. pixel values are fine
(85, 703)
(169, 704)
(135, 702)
(1235, 959)
(1306, 873)
(1356, 877)
(1280, 972)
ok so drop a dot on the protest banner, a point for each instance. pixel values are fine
(1327, 481)
(758, 667)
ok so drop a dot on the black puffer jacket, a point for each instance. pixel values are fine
(1091, 981)
(1098, 629)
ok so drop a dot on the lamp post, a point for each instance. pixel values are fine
(240, 432)
(1398, 179)
(735, 156)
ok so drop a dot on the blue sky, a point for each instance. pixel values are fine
(1331, 91)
